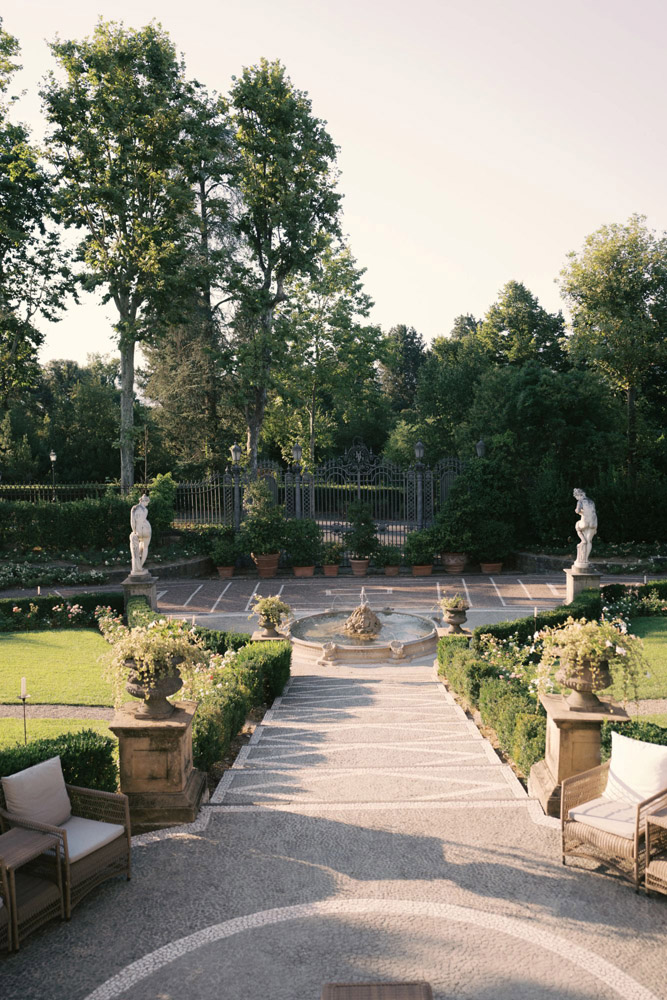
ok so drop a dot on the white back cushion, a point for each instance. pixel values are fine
(637, 770)
(38, 794)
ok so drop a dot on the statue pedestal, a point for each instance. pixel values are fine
(144, 585)
(577, 580)
(573, 746)
(156, 771)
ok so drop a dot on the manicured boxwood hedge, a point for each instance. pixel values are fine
(636, 730)
(88, 759)
(139, 612)
(98, 522)
(43, 617)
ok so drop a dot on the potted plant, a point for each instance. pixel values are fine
(263, 529)
(589, 654)
(332, 555)
(303, 542)
(147, 661)
(453, 540)
(454, 611)
(388, 557)
(224, 550)
(493, 540)
(419, 548)
(361, 540)
(270, 611)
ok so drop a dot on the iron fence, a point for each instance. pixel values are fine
(36, 492)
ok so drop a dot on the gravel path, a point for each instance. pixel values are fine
(367, 832)
(56, 711)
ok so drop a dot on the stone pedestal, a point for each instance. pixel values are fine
(573, 746)
(577, 579)
(141, 586)
(156, 771)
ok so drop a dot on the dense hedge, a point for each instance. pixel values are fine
(649, 732)
(88, 759)
(257, 674)
(38, 612)
(91, 523)
(587, 604)
(139, 612)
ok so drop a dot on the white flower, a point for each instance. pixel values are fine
(621, 651)
(608, 642)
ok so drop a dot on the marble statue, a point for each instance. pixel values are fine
(586, 528)
(140, 536)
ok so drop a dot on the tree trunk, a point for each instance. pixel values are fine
(311, 427)
(126, 414)
(210, 390)
(631, 396)
(254, 420)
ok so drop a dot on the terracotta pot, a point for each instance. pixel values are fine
(224, 572)
(391, 570)
(155, 704)
(359, 566)
(331, 569)
(267, 566)
(303, 570)
(422, 570)
(455, 620)
(584, 682)
(454, 562)
(490, 567)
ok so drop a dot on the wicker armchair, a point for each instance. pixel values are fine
(84, 868)
(625, 852)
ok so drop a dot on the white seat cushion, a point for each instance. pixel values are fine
(637, 770)
(38, 793)
(87, 835)
(606, 814)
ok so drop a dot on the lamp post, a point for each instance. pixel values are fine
(419, 469)
(480, 448)
(52, 456)
(297, 452)
(235, 452)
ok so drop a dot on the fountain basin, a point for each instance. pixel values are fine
(402, 637)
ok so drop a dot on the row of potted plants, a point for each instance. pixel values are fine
(266, 532)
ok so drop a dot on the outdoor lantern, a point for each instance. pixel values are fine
(236, 453)
(297, 452)
(419, 451)
(480, 448)
(52, 456)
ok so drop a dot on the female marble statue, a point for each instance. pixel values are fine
(586, 527)
(140, 536)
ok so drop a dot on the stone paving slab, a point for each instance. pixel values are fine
(417, 752)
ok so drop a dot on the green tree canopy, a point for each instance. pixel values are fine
(402, 354)
(119, 126)
(517, 329)
(616, 287)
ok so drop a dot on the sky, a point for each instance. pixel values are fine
(480, 142)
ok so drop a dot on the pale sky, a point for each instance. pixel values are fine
(480, 141)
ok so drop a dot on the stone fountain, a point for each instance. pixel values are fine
(362, 635)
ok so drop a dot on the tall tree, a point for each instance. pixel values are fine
(34, 276)
(517, 329)
(617, 290)
(403, 354)
(284, 174)
(119, 127)
(329, 349)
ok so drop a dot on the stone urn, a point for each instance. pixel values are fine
(455, 619)
(584, 680)
(268, 628)
(154, 696)
(454, 562)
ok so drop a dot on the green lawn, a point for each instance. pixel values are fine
(654, 633)
(11, 730)
(61, 667)
(657, 720)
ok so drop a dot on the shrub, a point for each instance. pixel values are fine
(635, 729)
(218, 641)
(140, 613)
(303, 542)
(224, 546)
(47, 611)
(492, 540)
(500, 703)
(587, 604)
(263, 530)
(332, 553)
(95, 523)
(220, 716)
(88, 759)
(272, 661)
(420, 548)
(462, 667)
(387, 555)
(361, 540)
(529, 740)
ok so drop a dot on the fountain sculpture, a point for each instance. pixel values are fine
(362, 635)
